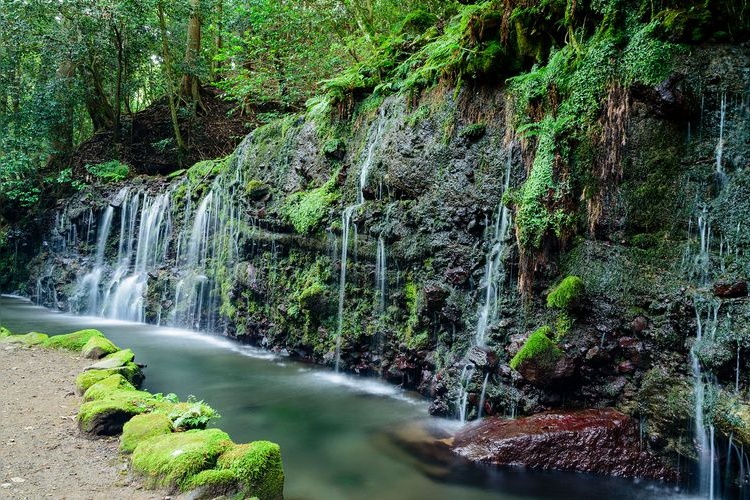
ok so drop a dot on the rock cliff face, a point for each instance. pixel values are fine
(381, 244)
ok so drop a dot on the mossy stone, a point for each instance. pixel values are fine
(4, 332)
(142, 427)
(212, 483)
(98, 347)
(130, 371)
(732, 418)
(538, 348)
(29, 339)
(257, 190)
(107, 386)
(567, 294)
(171, 460)
(258, 468)
(72, 341)
(114, 360)
(106, 416)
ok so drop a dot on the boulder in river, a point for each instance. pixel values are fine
(602, 441)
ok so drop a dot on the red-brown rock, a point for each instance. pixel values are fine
(728, 290)
(602, 441)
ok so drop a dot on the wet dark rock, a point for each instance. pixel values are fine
(602, 441)
(456, 276)
(626, 366)
(539, 374)
(729, 290)
(639, 324)
(482, 358)
(435, 295)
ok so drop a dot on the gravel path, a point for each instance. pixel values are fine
(42, 453)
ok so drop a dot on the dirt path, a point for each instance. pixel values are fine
(42, 454)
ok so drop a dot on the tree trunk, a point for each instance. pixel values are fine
(99, 109)
(181, 149)
(190, 87)
(118, 84)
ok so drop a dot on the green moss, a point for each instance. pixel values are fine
(217, 482)
(105, 387)
(112, 411)
(115, 360)
(539, 348)
(142, 427)
(130, 371)
(171, 460)
(258, 467)
(307, 209)
(4, 332)
(732, 417)
(567, 294)
(97, 347)
(312, 296)
(29, 339)
(72, 341)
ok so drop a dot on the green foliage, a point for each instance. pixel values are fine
(193, 415)
(567, 294)
(538, 348)
(473, 132)
(306, 210)
(111, 171)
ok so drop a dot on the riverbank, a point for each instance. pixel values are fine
(42, 453)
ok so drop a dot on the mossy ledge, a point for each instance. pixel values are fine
(167, 438)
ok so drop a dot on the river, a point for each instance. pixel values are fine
(334, 430)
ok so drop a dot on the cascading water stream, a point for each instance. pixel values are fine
(494, 276)
(720, 172)
(380, 274)
(374, 137)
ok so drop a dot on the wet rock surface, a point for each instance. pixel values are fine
(603, 441)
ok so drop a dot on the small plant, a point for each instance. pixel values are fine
(473, 132)
(163, 145)
(192, 414)
(307, 209)
(110, 171)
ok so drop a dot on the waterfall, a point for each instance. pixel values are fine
(374, 136)
(721, 175)
(704, 440)
(380, 274)
(494, 273)
(497, 236)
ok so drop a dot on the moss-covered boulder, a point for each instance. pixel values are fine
(4, 332)
(540, 360)
(29, 339)
(257, 467)
(567, 295)
(131, 371)
(171, 460)
(107, 386)
(142, 427)
(106, 416)
(72, 341)
(115, 360)
(98, 347)
(212, 483)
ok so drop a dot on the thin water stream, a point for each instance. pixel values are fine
(333, 429)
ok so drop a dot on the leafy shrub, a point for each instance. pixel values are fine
(110, 171)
